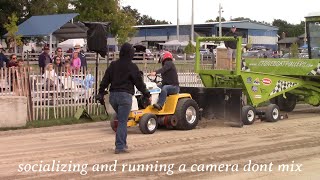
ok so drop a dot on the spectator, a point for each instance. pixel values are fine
(3, 58)
(59, 54)
(20, 63)
(50, 78)
(13, 61)
(67, 69)
(44, 59)
(82, 56)
(58, 65)
(76, 62)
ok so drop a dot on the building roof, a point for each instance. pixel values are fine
(44, 25)
(239, 24)
(288, 40)
(313, 14)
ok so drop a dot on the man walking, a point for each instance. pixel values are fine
(122, 75)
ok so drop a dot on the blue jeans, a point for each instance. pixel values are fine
(121, 102)
(165, 91)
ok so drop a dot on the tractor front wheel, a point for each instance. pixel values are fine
(248, 115)
(272, 113)
(187, 114)
(148, 123)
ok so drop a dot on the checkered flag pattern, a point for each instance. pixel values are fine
(315, 71)
(282, 86)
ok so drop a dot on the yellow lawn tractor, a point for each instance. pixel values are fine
(179, 112)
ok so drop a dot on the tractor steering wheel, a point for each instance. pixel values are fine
(155, 79)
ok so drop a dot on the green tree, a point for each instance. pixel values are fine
(142, 19)
(216, 20)
(6, 9)
(107, 11)
(12, 29)
(291, 30)
(190, 48)
(294, 50)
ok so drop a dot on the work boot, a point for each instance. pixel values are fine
(121, 151)
(157, 106)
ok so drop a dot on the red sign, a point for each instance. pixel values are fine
(266, 81)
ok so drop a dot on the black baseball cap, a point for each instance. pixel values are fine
(233, 26)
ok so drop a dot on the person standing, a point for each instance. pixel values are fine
(122, 75)
(76, 62)
(44, 59)
(3, 58)
(59, 54)
(82, 56)
(231, 46)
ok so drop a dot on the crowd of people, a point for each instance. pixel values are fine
(69, 64)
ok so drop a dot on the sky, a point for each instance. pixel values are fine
(292, 11)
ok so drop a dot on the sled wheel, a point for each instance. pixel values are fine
(272, 113)
(287, 104)
(148, 123)
(248, 115)
(114, 124)
(187, 114)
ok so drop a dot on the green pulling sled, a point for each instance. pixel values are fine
(280, 81)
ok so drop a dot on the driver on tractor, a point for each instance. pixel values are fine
(169, 75)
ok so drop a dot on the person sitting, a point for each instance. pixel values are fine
(170, 82)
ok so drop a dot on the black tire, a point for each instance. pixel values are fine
(114, 124)
(248, 115)
(184, 107)
(272, 113)
(148, 123)
(287, 104)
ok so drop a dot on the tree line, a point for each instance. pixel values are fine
(122, 18)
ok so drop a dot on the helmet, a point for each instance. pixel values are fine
(166, 55)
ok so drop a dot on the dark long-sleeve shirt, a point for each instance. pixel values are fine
(168, 73)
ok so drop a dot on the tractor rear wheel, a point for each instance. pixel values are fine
(248, 115)
(187, 114)
(285, 104)
(272, 113)
(148, 123)
(114, 124)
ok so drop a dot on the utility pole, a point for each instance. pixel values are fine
(220, 13)
(192, 22)
(178, 21)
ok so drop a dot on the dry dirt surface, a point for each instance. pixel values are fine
(212, 151)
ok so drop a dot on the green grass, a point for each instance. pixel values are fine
(57, 122)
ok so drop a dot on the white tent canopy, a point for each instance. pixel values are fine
(176, 43)
(70, 43)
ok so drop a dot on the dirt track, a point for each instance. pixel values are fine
(295, 139)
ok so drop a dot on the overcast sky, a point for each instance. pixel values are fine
(292, 11)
